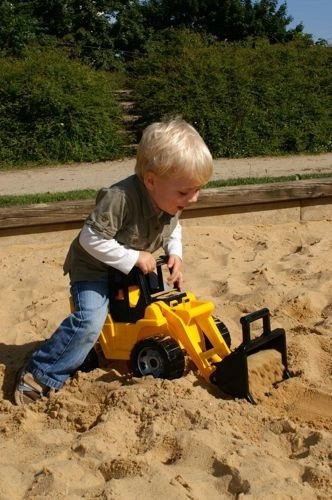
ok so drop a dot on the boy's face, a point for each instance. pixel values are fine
(171, 195)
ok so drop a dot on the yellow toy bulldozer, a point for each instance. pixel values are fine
(154, 329)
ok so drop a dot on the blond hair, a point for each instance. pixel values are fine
(174, 149)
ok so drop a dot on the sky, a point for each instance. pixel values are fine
(315, 15)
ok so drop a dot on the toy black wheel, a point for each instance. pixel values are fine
(157, 356)
(90, 363)
(224, 332)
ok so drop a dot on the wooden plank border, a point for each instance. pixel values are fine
(71, 214)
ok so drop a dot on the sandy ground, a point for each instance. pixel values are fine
(107, 435)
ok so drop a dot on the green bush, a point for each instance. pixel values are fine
(53, 109)
(246, 100)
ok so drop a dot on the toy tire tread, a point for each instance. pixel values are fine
(224, 331)
(158, 356)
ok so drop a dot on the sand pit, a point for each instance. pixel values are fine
(106, 435)
(265, 370)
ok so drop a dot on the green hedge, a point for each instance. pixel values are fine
(246, 100)
(53, 109)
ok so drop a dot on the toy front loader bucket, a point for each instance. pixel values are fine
(232, 373)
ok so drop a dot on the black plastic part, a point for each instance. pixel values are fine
(224, 331)
(158, 356)
(231, 374)
(148, 284)
(90, 363)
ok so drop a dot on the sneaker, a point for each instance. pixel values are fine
(27, 389)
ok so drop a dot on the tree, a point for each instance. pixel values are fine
(130, 29)
(231, 20)
(17, 27)
(83, 27)
(101, 32)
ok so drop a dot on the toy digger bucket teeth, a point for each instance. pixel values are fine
(232, 373)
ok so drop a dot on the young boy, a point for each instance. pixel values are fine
(131, 220)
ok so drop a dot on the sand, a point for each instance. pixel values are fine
(107, 435)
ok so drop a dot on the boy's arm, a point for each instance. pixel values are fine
(173, 244)
(174, 265)
(108, 251)
(114, 254)
(173, 248)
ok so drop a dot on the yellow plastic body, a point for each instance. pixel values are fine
(186, 322)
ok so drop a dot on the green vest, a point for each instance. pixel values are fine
(123, 212)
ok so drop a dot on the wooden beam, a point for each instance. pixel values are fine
(265, 193)
(71, 214)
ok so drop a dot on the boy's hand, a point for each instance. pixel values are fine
(174, 264)
(146, 262)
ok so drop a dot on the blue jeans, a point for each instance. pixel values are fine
(59, 357)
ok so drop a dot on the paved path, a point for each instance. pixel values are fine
(96, 175)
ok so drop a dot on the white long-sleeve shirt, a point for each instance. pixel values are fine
(114, 254)
(123, 223)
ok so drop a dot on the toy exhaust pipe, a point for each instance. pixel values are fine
(232, 373)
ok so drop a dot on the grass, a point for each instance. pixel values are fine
(32, 199)
(89, 194)
(265, 180)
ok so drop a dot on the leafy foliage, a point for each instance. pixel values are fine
(105, 32)
(17, 28)
(245, 100)
(229, 20)
(56, 110)
(232, 68)
(81, 26)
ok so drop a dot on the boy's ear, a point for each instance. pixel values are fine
(149, 180)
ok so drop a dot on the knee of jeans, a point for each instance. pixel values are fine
(90, 323)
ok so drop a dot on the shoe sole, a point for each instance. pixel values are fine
(21, 397)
